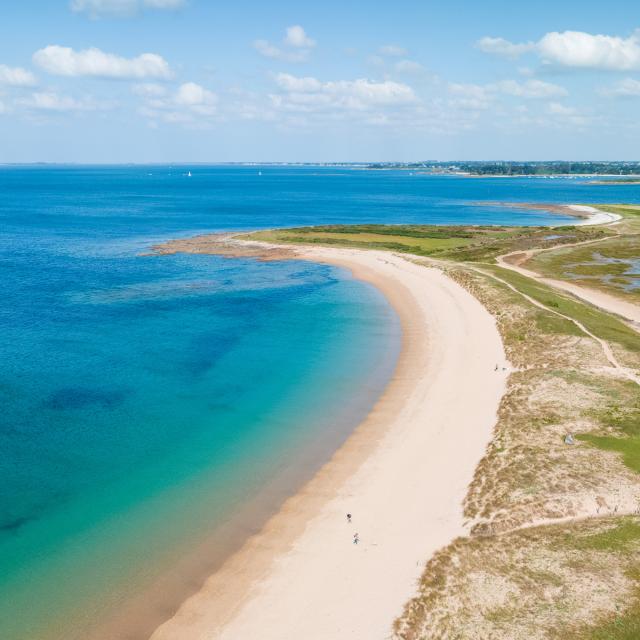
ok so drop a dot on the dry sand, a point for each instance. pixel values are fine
(402, 474)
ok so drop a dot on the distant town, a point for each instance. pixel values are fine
(508, 168)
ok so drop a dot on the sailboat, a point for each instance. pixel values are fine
(189, 174)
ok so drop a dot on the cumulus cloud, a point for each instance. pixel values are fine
(475, 96)
(625, 88)
(296, 46)
(578, 49)
(16, 76)
(121, 8)
(297, 37)
(308, 95)
(52, 101)
(574, 49)
(190, 104)
(502, 47)
(64, 61)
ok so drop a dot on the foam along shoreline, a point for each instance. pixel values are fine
(402, 474)
(589, 215)
(594, 216)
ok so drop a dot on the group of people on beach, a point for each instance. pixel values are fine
(356, 536)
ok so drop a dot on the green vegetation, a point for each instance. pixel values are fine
(628, 447)
(600, 323)
(606, 265)
(623, 536)
(458, 243)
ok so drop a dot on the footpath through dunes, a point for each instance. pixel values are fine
(627, 310)
(402, 475)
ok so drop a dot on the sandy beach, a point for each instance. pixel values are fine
(402, 475)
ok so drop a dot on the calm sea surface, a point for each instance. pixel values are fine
(145, 400)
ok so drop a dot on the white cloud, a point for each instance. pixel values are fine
(337, 98)
(296, 47)
(574, 49)
(474, 96)
(297, 37)
(52, 101)
(190, 104)
(16, 76)
(121, 8)
(392, 50)
(266, 49)
(562, 115)
(64, 61)
(502, 47)
(408, 66)
(295, 84)
(555, 108)
(530, 89)
(196, 98)
(579, 49)
(626, 87)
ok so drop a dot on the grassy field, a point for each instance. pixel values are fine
(459, 243)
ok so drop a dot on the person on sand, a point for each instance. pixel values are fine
(348, 517)
(356, 538)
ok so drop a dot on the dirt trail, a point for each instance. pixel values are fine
(604, 345)
(628, 311)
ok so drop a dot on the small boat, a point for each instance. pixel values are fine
(259, 173)
(189, 174)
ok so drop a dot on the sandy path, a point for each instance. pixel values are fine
(403, 475)
(626, 310)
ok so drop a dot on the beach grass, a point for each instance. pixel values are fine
(600, 323)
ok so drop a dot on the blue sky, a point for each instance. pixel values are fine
(198, 80)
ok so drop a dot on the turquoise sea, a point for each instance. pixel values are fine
(156, 409)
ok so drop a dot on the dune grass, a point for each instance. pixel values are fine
(600, 323)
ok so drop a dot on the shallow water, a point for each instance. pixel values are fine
(147, 398)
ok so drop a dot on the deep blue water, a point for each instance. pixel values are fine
(145, 397)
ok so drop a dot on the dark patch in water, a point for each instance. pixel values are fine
(14, 525)
(207, 349)
(81, 397)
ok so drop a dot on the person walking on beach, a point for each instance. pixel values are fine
(348, 517)
(356, 538)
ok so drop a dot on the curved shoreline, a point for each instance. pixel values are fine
(403, 474)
